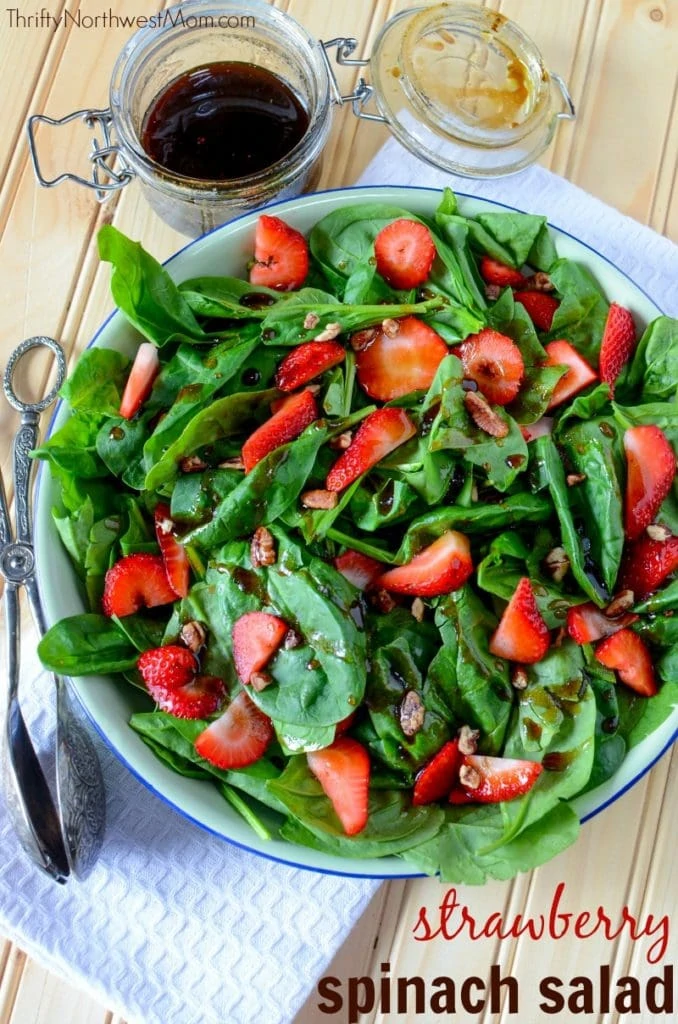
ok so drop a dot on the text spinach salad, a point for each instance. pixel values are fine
(387, 533)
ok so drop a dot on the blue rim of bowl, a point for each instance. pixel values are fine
(121, 757)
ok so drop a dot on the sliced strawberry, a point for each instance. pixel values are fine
(579, 374)
(494, 272)
(647, 563)
(378, 435)
(543, 427)
(499, 778)
(280, 255)
(627, 654)
(298, 412)
(392, 365)
(540, 307)
(134, 582)
(436, 779)
(522, 634)
(177, 565)
(494, 362)
(343, 771)
(404, 251)
(443, 566)
(167, 668)
(651, 467)
(587, 623)
(359, 569)
(240, 737)
(306, 362)
(145, 369)
(619, 341)
(256, 638)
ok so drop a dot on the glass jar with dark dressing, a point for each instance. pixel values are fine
(219, 107)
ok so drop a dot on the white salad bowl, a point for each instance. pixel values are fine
(109, 705)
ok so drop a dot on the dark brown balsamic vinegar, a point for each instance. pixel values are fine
(222, 121)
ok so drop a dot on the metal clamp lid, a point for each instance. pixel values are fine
(345, 46)
(103, 154)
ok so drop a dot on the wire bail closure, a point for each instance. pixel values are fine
(104, 153)
(345, 46)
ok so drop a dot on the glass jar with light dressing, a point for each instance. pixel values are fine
(248, 94)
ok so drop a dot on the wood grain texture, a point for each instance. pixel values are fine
(620, 59)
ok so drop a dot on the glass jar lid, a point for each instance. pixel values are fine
(466, 89)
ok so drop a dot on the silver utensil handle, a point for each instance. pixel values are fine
(34, 809)
(25, 440)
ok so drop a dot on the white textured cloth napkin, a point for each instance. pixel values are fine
(175, 926)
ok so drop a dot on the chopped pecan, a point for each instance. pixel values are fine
(320, 499)
(164, 526)
(492, 292)
(361, 339)
(468, 739)
(412, 713)
(311, 320)
(262, 548)
(621, 603)
(572, 479)
(235, 463)
(192, 464)
(418, 609)
(483, 415)
(559, 637)
(469, 777)
(656, 531)
(557, 563)
(390, 327)
(193, 635)
(329, 332)
(291, 639)
(539, 282)
(381, 600)
(519, 678)
(260, 680)
(342, 441)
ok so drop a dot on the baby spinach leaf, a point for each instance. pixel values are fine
(516, 234)
(583, 309)
(73, 447)
(652, 374)
(145, 293)
(223, 297)
(345, 238)
(84, 645)
(97, 381)
(120, 445)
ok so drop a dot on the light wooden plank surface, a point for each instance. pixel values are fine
(620, 58)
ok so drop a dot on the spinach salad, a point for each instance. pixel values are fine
(433, 567)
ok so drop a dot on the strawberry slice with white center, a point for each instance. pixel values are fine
(177, 565)
(497, 778)
(291, 419)
(522, 635)
(404, 251)
(307, 361)
(359, 569)
(378, 435)
(619, 341)
(542, 428)
(440, 568)
(586, 623)
(343, 771)
(541, 308)
(647, 563)
(145, 369)
(494, 362)
(256, 637)
(394, 364)
(238, 738)
(627, 654)
(579, 373)
(436, 779)
(651, 468)
(280, 255)
(494, 272)
(135, 582)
